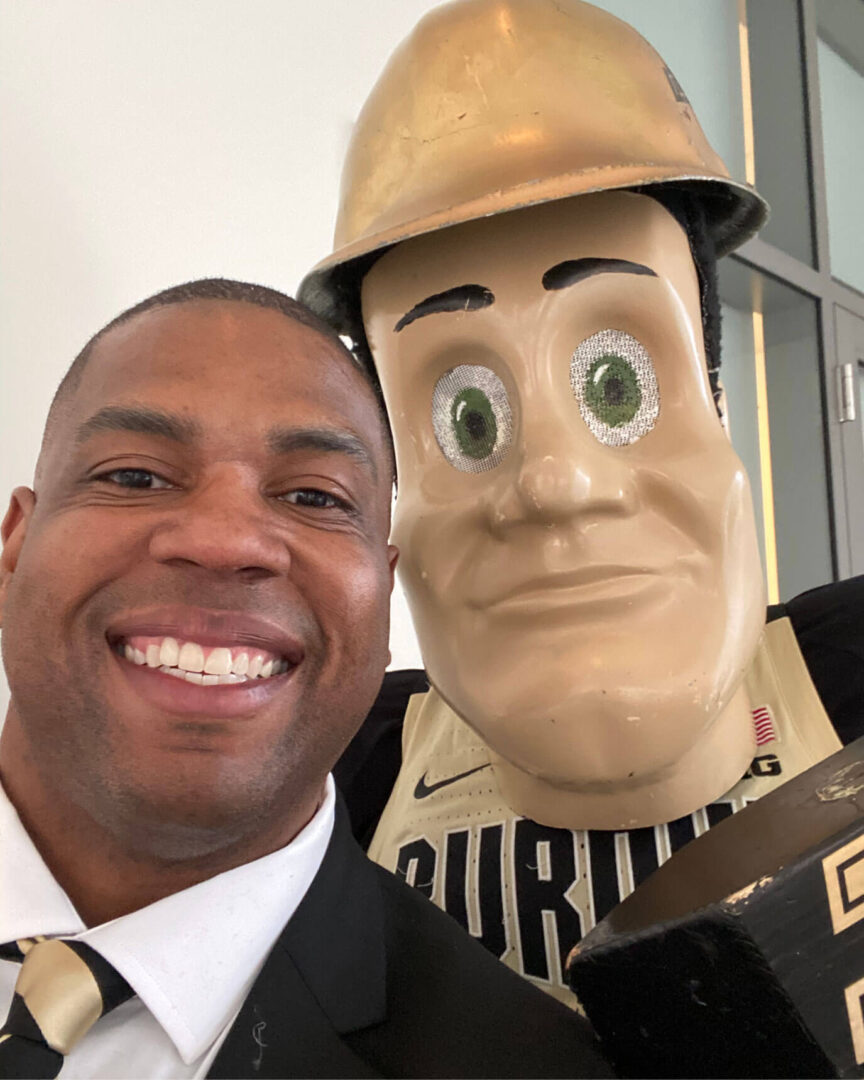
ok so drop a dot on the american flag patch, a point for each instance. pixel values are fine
(764, 722)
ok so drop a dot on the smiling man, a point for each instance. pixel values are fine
(195, 620)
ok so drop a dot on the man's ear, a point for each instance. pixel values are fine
(392, 559)
(12, 531)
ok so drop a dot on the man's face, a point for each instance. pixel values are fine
(215, 496)
(577, 533)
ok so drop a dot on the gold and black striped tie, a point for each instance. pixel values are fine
(62, 990)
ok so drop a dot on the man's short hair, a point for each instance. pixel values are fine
(217, 289)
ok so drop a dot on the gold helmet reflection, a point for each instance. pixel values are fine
(492, 105)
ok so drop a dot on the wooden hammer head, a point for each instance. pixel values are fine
(744, 954)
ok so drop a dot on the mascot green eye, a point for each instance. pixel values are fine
(474, 423)
(612, 390)
(613, 379)
(471, 418)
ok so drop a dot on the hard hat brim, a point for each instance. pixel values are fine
(734, 211)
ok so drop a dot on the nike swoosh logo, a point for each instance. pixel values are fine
(423, 789)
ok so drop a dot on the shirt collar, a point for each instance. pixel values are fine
(31, 901)
(191, 957)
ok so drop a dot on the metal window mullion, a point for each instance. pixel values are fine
(838, 518)
(779, 264)
(832, 434)
(813, 121)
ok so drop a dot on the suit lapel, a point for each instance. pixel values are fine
(324, 978)
(283, 1032)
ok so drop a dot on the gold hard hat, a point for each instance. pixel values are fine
(493, 105)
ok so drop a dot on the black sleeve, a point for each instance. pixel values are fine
(829, 625)
(454, 1010)
(367, 771)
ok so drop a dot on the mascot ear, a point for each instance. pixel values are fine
(13, 531)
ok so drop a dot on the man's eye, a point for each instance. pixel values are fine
(314, 497)
(135, 478)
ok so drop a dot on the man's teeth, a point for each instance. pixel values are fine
(205, 666)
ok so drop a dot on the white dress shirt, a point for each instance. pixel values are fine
(191, 957)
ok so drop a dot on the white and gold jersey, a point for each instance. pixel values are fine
(529, 892)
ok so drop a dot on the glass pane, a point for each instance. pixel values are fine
(779, 130)
(841, 88)
(796, 414)
(786, 341)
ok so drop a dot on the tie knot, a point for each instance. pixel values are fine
(66, 987)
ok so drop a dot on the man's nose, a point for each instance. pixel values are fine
(561, 472)
(224, 526)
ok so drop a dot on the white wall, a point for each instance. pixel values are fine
(148, 142)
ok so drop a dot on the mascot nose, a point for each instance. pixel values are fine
(562, 473)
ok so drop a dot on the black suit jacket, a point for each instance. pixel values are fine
(370, 979)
